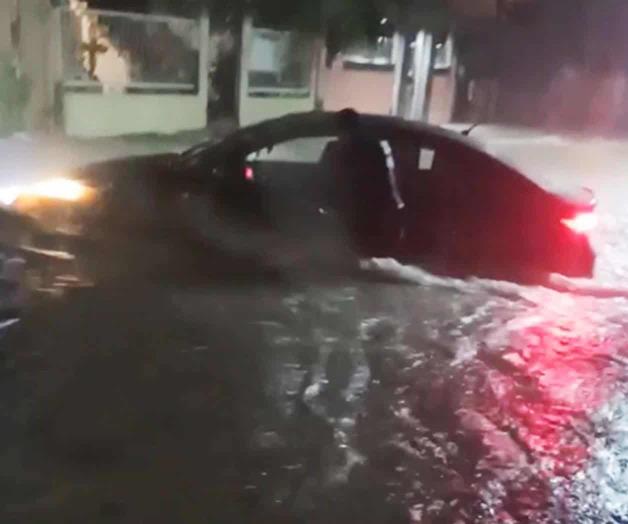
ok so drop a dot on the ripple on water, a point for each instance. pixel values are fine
(490, 407)
(454, 401)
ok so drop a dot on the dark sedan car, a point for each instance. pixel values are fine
(378, 186)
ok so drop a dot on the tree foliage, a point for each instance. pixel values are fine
(340, 21)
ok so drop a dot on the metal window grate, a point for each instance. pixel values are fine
(129, 51)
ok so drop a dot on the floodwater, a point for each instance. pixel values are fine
(364, 402)
(429, 401)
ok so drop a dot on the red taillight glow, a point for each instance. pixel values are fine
(581, 223)
(249, 174)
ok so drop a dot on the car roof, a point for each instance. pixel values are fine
(315, 124)
(322, 123)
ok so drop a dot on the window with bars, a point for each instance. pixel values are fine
(128, 50)
(280, 63)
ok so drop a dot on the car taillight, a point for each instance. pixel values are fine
(582, 222)
(249, 173)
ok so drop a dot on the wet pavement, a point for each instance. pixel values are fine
(366, 402)
(289, 400)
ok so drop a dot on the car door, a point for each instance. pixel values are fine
(292, 187)
(451, 211)
(492, 231)
(432, 200)
(215, 203)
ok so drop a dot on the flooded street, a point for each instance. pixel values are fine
(428, 401)
(224, 233)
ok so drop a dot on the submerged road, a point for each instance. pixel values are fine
(432, 401)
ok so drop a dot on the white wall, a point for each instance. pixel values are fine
(97, 114)
(103, 114)
(37, 25)
(7, 10)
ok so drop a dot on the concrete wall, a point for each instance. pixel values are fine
(103, 114)
(24, 50)
(36, 29)
(89, 114)
(96, 114)
(7, 10)
(367, 91)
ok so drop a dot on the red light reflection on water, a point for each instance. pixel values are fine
(535, 392)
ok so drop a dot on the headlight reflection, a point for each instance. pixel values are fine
(64, 189)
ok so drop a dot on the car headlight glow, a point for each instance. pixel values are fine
(65, 189)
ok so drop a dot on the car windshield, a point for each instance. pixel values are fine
(315, 262)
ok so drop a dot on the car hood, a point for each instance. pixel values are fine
(102, 173)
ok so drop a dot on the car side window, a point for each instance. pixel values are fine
(289, 178)
(289, 164)
(303, 150)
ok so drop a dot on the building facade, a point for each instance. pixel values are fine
(93, 73)
(128, 73)
(283, 71)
